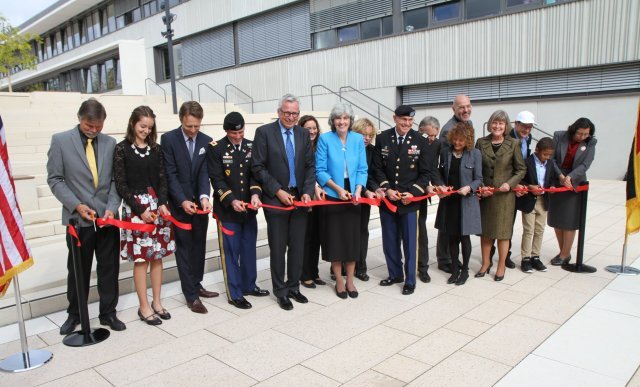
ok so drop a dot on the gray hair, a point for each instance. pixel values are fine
(500, 115)
(429, 120)
(338, 110)
(287, 98)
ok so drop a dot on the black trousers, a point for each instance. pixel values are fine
(311, 246)
(286, 232)
(365, 215)
(190, 250)
(105, 243)
(464, 241)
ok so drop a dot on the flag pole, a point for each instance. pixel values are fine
(623, 269)
(25, 360)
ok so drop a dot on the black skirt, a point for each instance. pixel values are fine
(340, 231)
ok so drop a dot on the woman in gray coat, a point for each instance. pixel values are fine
(459, 214)
(575, 150)
(503, 169)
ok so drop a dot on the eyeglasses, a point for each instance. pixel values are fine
(290, 114)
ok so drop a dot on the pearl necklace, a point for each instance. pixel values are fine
(135, 150)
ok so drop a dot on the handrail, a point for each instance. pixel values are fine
(211, 88)
(380, 121)
(146, 92)
(379, 104)
(185, 86)
(237, 89)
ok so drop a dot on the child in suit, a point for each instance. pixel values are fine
(542, 172)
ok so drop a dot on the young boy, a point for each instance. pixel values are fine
(542, 172)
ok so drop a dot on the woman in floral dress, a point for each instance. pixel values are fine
(141, 182)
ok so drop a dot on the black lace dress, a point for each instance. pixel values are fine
(141, 182)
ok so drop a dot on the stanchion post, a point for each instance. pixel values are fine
(623, 269)
(579, 266)
(87, 335)
(25, 360)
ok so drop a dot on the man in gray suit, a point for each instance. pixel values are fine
(80, 176)
(284, 165)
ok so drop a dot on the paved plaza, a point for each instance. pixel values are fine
(539, 329)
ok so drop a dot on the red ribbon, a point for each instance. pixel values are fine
(142, 227)
(184, 226)
(72, 231)
(224, 230)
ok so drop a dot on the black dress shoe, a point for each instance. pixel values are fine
(257, 292)
(424, 277)
(408, 289)
(113, 322)
(342, 294)
(352, 293)
(446, 267)
(285, 303)
(69, 326)
(390, 281)
(319, 281)
(150, 319)
(557, 261)
(163, 314)
(463, 277)
(498, 278)
(296, 295)
(362, 277)
(453, 278)
(207, 294)
(241, 303)
(508, 262)
(309, 285)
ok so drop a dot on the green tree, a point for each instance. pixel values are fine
(15, 50)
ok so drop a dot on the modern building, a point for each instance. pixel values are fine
(562, 59)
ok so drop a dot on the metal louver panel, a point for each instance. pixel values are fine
(411, 4)
(349, 13)
(573, 81)
(277, 33)
(208, 51)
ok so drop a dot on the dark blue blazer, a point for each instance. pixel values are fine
(527, 202)
(186, 179)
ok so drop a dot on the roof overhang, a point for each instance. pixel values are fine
(56, 14)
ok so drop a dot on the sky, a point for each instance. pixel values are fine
(19, 11)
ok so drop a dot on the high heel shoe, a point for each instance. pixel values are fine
(462, 278)
(498, 278)
(481, 274)
(151, 319)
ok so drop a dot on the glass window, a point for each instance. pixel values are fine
(177, 59)
(69, 37)
(88, 26)
(325, 39)
(415, 19)
(76, 34)
(387, 26)
(136, 15)
(111, 20)
(515, 3)
(370, 29)
(103, 76)
(118, 76)
(447, 11)
(111, 74)
(480, 8)
(348, 34)
(63, 37)
(95, 79)
(120, 22)
(48, 51)
(104, 22)
(40, 52)
(97, 30)
(58, 46)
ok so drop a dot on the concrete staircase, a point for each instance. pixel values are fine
(30, 119)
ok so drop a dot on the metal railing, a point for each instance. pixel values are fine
(378, 103)
(146, 91)
(226, 94)
(188, 89)
(380, 120)
(224, 99)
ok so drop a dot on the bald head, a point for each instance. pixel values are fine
(462, 108)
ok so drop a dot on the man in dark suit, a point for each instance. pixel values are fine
(79, 173)
(284, 165)
(229, 167)
(401, 167)
(428, 128)
(184, 151)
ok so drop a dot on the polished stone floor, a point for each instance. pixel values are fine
(551, 328)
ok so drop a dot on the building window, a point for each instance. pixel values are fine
(515, 3)
(57, 48)
(150, 8)
(177, 61)
(370, 29)
(111, 20)
(387, 25)
(88, 27)
(479, 8)
(48, 50)
(69, 42)
(415, 19)
(348, 34)
(325, 39)
(97, 30)
(446, 12)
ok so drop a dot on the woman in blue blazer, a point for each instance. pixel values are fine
(341, 171)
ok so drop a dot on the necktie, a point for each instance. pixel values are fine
(290, 159)
(91, 158)
(238, 147)
(400, 140)
(190, 145)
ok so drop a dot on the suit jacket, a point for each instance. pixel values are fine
(230, 174)
(407, 168)
(331, 159)
(581, 162)
(505, 166)
(470, 175)
(527, 202)
(70, 178)
(270, 165)
(371, 181)
(186, 179)
(529, 137)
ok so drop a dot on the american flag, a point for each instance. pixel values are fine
(15, 254)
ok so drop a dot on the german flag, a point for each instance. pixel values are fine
(633, 182)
